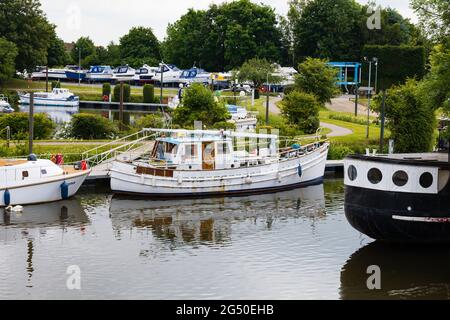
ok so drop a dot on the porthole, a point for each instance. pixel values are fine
(426, 180)
(375, 176)
(352, 173)
(400, 178)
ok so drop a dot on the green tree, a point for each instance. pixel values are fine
(56, 53)
(18, 122)
(434, 18)
(140, 46)
(318, 78)
(148, 92)
(126, 93)
(328, 29)
(224, 36)
(436, 86)
(410, 120)
(25, 25)
(150, 121)
(8, 53)
(257, 71)
(302, 110)
(91, 126)
(199, 105)
(88, 51)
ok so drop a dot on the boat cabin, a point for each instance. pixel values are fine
(212, 151)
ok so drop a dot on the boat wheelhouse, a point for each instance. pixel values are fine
(99, 73)
(399, 197)
(59, 97)
(195, 75)
(194, 163)
(145, 74)
(170, 74)
(30, 181)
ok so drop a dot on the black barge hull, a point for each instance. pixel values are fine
(398, 216)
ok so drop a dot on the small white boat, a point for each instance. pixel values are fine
(99, 73)
(145, 74)
(58, 97)
(195, 75)
(34, 181)
(5, 107)
(171, 74)
(123, 73)
(242, 119)
(194, 163)
(40, 73)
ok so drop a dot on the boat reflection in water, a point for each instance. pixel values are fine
(407, 272)
(209, 220)
(60, 214)
(59, 115)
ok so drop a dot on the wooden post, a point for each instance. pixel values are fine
(383, 106)
(31, 124)
(121, 107)
(356, 99)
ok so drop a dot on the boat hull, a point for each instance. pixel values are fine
(398, 216)
(25, 100)
(46, 190)
(70, 75)
(268, 178)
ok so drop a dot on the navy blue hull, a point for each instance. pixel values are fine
(397, 216)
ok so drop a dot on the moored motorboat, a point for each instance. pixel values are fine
(145, 74)
(75, 74)
(5, 107)
(58, 97)
(99, 73)
(399, 197)
(194, 163)
(123, 74)
(32, 180)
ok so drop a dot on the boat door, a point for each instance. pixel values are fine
(208, 155)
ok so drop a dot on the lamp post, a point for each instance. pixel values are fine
(376, 74)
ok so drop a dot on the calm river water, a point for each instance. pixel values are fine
(290, 245)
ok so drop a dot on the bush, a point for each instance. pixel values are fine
(18, 122)
(91, 126)
(347, 118)
(150, 121)
(410, 119)
(56, 84)
(302, 110)
(126, 93)
(106, 89)
(148, 92)
(199, 105)
(339, 152)
(224, 125)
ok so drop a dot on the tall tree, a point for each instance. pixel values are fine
(257, 71)
(8, 53)
(56, 52)
(24, 24)
(85, 49)
(434, 17)
(224, 36)
(140, 46)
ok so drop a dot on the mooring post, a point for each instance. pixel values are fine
(31, 124)
(8, 135)
(356, 99)
(121, 107)
(46, 79)
(383, 116)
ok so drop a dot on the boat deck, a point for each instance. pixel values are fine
(9, 163)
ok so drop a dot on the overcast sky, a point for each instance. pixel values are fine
(106, 20)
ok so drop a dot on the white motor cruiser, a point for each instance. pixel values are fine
(195, 163)
(99, 73)
(32, 180)
(5, 107)
(170, 74)
(123, 74)
(145, 74)
(57, 98)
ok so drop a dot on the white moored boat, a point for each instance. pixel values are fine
(201, 163)
(30, 181)
(58, 97)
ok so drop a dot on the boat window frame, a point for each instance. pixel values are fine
(426, 173)
(399, 182)
(352, 169)
(372, 171)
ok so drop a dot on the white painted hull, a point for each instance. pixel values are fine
(25, 100)
(263, 178)
(44, 190)
(99, 77)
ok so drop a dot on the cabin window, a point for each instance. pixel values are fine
(223, 148)
(400, 178)
(43, 171)
(352, 173)
(426, 180)
(375, 176)
(190, 151)
(24, 174)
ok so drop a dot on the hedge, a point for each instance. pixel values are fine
(396, 64)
